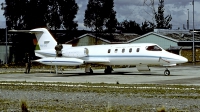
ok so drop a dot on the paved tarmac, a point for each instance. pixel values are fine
(179, 75)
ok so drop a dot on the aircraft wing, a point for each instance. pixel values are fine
(97, 61)
(142, 68)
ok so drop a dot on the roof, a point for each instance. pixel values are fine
(174, 48)
(76, 38)
(184, 37)
(110, 38)
(172, 35)
(121, 38)
(153, 33)
(180, 35)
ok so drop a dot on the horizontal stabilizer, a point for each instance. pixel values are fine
(26, 31)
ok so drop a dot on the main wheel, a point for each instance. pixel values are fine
(91, 71)
(166, 72)
(107, 71)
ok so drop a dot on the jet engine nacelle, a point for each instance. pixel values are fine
(60, 61)
(75, 52)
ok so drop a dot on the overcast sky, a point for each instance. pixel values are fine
(136, 10)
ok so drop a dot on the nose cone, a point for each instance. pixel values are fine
(183, 59)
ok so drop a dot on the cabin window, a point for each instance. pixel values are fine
(123, 50)
(138, 50)
(153, 48)
(130, 50)
(116, 50)
(109, 50)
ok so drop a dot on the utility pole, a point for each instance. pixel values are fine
(193, 36)
(6, 47)
(188, 22)
(6, 42)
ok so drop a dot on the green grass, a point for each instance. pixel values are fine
(129, 90)
(152, 90)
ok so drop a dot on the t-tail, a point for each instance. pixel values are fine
(44, 42)
(44, 39)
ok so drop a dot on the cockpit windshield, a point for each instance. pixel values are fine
(153, 48)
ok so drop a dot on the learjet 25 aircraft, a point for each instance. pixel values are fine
(142, 55)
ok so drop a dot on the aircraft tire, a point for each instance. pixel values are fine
(91, 71)
(107, 71)
(166, 72)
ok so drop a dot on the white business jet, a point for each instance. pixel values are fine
(141, 54)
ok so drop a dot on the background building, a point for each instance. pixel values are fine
(152, 37)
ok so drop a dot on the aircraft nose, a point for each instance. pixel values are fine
(183, 59)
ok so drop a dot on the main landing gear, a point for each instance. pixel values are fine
(88, 69)
(108, 70)
(166, 72)
(56, 69)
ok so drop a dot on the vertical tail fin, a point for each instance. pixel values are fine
(44, 39)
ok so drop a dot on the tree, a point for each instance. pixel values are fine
(54, 20)
(159, 17)
(25, 14)
(100, 15)
(14, 13)
(161, 21)
(68, 10)
(147, 27)
(93, 15)
(29, 14)
(130, 27)
(36, 14)
(110, 16)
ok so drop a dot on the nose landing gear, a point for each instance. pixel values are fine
(166, 72)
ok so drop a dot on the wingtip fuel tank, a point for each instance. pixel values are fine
(60, 61)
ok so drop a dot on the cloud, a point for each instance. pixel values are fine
(178, 3)
(122, 3)
(139, 12)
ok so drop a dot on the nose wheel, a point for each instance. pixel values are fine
(166, 72)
